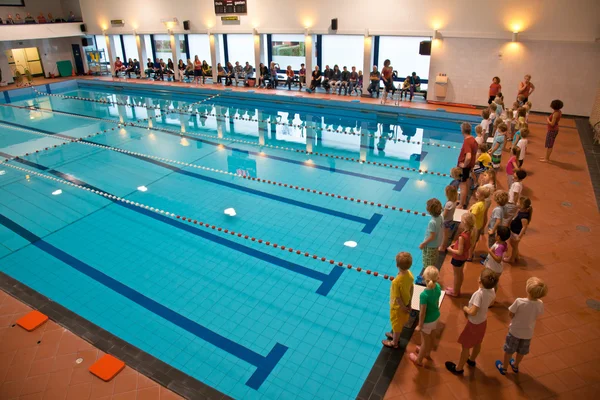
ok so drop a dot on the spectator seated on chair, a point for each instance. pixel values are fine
(248, 73)
(29, 19)
(158, 71)
(290, 75)
(220, 73)
(263, 75)
(129, 68)
(352, 80)
(302, 76)
(405, 90)
(317, 76)
(336, 77)
(50, 18)
(206, 71)
(180, 71)
(274, 79)
(170, 69)
(71, 17)
(10, 20)
(344, 82)
(189, 70)
(41, 19)
(415, 84)
(327, 75)
(136, 67)
(228, 74)
(119, 67)
(18, 19)
(149, 68)
(375, 77)
(238, 72)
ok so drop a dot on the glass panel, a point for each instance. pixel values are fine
(343, 50)
(148, 46)
(162, 44)
(131, 49)
(288, 50)
(118, 50)
(241, 48)
(199, 46)
(403, 52)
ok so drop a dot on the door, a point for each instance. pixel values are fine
(78, 59)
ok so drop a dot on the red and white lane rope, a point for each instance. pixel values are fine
(207, 225)
(223, 172)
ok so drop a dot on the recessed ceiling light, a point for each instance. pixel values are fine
(350, 243)
(142, 188)
(57, 192)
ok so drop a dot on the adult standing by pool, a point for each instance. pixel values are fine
(526, 88)
(466, 161)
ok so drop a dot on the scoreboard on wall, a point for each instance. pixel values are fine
(230, 7)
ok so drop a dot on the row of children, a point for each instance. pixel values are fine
(524, 313)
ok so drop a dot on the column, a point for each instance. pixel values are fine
(110, 52)
(257, 53)
(309, 56)
(367, 61)
(213, 56)
(175, 51)
(141, 48)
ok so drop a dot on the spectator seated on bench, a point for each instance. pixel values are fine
(248, 73)
(274, 78)
(119, 67)
(263, 75)
(327, 77)
(317, 76)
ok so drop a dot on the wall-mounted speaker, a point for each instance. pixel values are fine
(85, 42)
(425, 48)
(83, 28)
(186, 25)
(334, 24)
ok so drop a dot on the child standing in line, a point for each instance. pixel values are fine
(498, 215)
(485, 123)
(460, 253)
(553, 121)
(499, 100)
(456, 174)
(489, 182)
(527, 107)
(517, 135)
(498, 145)
(484, 162)
(472, 336)
(429, 314)
(479, 135)
(522, 145)
(448, 215)
(512, 166)
(524, 312)
(493, 116)
(433, 234)
(401, 292)
(514, 193)
(478, 211)
(511, 123)
(496, 253)
(518, 227)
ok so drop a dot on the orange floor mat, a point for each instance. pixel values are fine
(32, 320)
(107, 367)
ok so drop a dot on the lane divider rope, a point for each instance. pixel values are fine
(220, 171)
(206, 224)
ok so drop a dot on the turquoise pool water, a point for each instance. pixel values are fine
(250, 320)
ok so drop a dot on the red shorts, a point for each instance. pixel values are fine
(472, 335)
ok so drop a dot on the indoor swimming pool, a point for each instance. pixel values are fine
(246, 242)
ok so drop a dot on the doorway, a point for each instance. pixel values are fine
(78, 59)
(25, 60)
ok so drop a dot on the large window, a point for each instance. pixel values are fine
(343, 50)
(199, 46)
(148, 46)
(403, 52)
(101, 47)
(116, 44)
(162, 45)
(131, 50)
(240, 48)
(288, 50)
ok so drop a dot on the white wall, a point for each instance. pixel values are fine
(568, 71)
(38, 31)
(574, 20)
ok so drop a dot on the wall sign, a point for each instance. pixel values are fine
(230, 7)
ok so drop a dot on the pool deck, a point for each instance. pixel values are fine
(558, 248)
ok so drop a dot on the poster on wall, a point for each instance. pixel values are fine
(230, 7)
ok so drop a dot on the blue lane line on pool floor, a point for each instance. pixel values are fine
(369, 223)
(327, 280)
(264, 364)
(256, 154)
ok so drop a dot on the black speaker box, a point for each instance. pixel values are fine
(186, 25)
(83, 28)
(334, 24)
(425, 48)
(85, 42)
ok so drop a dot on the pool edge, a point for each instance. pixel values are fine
(146, 364)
